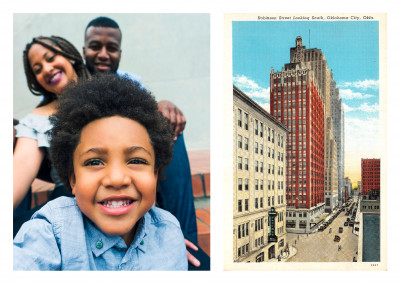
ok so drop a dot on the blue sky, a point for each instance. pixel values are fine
(351, 49)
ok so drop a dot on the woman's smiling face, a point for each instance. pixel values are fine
(52, 71)
(114, 178)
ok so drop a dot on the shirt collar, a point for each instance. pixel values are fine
(100, 242)
(139, 241)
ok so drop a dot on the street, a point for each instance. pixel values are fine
(320, 247)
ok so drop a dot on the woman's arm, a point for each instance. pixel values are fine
(26, 163)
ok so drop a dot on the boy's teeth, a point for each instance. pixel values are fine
(116, 204)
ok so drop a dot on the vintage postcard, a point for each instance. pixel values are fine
(306, 97)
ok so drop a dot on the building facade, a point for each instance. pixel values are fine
(370, 175)
(347, 189)
(337, 113)
(315, 60)
(259, 196)
(296, 102)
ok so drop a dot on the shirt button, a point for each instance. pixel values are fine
(99, 244)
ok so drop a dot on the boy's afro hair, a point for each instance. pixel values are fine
(99, 97)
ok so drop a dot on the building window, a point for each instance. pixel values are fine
(240, 184)
(246, 143)
(261, 203)
(246, 164)
(261, 167)
(246, 184)
(261, 184)
(255, 126)
(261, 129)
(256, 203)
(239, 117)
(256, 184)
(260, 257)
(256, 166)
(246, 121)
(246, 205)
(261, 149)
(239, 205)
(239, 163)
(239, 141)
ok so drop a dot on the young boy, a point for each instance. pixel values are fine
(109, 144)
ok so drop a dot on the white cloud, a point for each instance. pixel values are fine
(369, 108)
(265, 106)
(366, 84)
(348, 94)
(365, 107)
(251, 88)
(346, 108)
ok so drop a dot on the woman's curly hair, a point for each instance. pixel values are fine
(99, 97)
(59, 46)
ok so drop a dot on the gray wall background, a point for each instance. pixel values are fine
(171, 52)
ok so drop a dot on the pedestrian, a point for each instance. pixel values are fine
(295, 241)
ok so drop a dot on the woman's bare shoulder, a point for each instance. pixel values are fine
(46, 110)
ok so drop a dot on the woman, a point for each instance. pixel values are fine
(50, 63)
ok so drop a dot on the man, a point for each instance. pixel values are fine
(102, 54)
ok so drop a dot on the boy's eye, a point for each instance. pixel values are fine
(137, 161)
(93, 162)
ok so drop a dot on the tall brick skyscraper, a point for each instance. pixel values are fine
(370, 175)
(296, 102)
(315, 60)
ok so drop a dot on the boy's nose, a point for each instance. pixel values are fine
(116, 177)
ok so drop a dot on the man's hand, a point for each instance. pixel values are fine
(190, 257)
(176, 118)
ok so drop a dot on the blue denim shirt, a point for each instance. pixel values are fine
(60, 237)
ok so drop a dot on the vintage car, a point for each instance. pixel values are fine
(340, 230)
(337, 238)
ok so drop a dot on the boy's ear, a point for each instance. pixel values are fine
(156, 174)
(72, 181)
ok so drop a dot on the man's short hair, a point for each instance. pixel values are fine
(103, 22)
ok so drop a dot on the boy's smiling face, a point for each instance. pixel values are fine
(114, 178)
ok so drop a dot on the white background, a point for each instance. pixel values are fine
(216, 9)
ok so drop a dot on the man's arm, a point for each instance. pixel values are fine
(175, 116)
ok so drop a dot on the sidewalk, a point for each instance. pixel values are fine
(286, 256)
